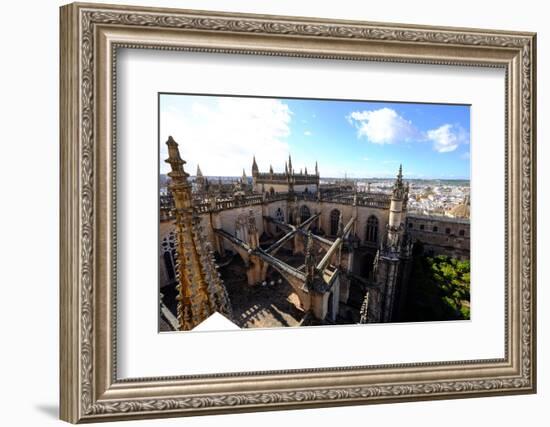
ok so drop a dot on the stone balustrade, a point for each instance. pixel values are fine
(373, 200)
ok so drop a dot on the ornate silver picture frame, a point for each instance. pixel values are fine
(91, 36)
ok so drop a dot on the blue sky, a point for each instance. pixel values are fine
(357, 139)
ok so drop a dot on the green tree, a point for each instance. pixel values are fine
(439, 288)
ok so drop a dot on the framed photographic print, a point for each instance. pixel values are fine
(266, 212)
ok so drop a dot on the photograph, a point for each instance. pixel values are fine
(283, 212)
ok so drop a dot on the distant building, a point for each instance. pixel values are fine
(460, 211)
(286, 182)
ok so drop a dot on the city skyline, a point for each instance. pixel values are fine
(223, 133)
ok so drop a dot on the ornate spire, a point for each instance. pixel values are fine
(271, 169)
(289, 165)
(244, 177)
(201, 292)
(316, 169)
(305, 170)
(175, 161)
(400, 174)
(286, 168)
(200, 180)
(399, 190)
(255, 169)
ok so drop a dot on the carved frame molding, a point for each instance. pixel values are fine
(90, 36)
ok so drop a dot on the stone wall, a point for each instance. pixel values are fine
(277, 188)
(227, 218)
(441, 235)
(305, 188)
(347, 211)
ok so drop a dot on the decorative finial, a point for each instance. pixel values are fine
(399, 191)
(175, 161)
(171, 141)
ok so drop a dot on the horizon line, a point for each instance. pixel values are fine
(343, 178)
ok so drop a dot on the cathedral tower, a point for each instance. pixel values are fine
(391, 259)
(395, 223)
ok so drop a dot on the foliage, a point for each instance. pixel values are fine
(439, 289)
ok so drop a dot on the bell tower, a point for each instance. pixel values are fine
(393, 256)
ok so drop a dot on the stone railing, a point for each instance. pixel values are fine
(282, 178)
(374, 200)
(305, 179)
(374, 203)
(311, 197)
(275, 178)
(438, 218)
(235, 202)
(275, 197)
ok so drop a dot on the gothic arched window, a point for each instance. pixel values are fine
(304, 213)
(169, 255)
(372, 230)
(334, 220)
(169, 265)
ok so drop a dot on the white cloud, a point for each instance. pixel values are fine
(383, 126)
(222, 134)
(447, 138)
(386, 126)
(307, 133)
